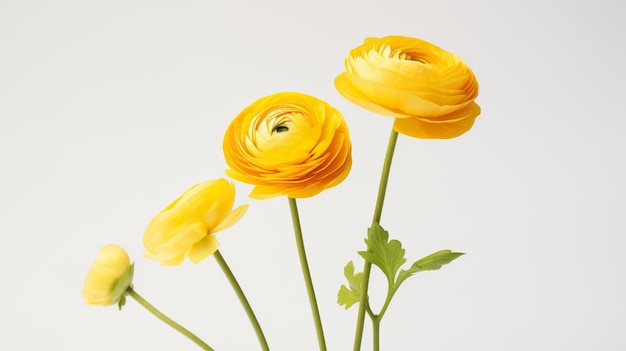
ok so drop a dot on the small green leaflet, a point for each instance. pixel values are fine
(121, 302)
(431, 262)
(120, 289)
(387, 255)
(348, 296)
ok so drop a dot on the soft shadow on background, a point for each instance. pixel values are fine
(110, 110)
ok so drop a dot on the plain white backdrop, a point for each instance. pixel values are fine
(111, 109)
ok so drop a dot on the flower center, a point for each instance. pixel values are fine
(281, 120)
(398, 54)
(280, 129)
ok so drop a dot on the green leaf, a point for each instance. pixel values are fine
(348, 296)
(388, 255)
(125, 281)
(121, 302)
(431, 262)
(434, 261)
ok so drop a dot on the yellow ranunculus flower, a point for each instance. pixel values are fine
(428, 90)
(187, 226)
(109, 276)
(288, 144)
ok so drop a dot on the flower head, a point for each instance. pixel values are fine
(188, 225)
(288, 144)
(428, 90)
(109, 277)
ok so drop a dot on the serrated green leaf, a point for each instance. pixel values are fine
(348, 296)
(431, 262)
(355, 280)
(388, 255)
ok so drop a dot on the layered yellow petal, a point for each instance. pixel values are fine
(233, 217)
(222, 198)
(288, 144)
(408, 78)
(178, 242)
(173, 261)
(420, 128)
(203, 249)
(185, 228)
(110, 265)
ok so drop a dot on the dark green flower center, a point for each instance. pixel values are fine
(280, 129)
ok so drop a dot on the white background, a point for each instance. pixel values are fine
(109, 110)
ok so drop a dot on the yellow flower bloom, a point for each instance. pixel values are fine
(188, 225)
(288, 144)
(109, 276)
(428, 90)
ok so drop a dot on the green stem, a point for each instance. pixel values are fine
(390, 292)
(384, 177)
(167, 320)
(367, 267)
(242, 299)
(376, 332)
(307, 274)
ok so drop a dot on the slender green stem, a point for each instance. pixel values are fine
(384, 177)
(367, 267)
(390, 292)
(167, 320)
(295, 218)
(370, 312)
(376, 332)
(363, 306)
(242, 299)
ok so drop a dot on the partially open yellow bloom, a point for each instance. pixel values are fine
(188, 225)
(108, 277)
(288, 144)
(428, 90)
